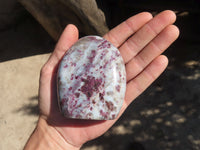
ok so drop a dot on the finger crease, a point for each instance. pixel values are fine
(150, 75)
(131, 45)
(142, 62)
(154, 32)
(156, 47)
(138, 67)
(130, 26)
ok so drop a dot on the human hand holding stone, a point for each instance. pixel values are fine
(141, 39)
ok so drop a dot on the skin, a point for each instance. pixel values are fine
(140, 39)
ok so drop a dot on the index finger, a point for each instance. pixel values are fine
(120, 33)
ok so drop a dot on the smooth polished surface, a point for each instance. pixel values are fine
(91, 80)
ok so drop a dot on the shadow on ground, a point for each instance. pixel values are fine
(166, 116)
(30, 108)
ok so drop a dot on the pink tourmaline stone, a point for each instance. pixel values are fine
(91, 80)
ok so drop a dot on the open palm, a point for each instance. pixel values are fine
(141, 39)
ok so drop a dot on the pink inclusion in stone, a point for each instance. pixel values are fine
(91, 80)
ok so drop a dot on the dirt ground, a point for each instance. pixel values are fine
(166, 116)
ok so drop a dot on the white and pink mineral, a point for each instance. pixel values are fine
(91, 80)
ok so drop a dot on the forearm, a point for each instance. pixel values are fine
(46, 137)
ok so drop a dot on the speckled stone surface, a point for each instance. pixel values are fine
(91, 80)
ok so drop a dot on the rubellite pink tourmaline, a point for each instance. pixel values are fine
(91, 80)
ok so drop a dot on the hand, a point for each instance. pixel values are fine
(141, 39)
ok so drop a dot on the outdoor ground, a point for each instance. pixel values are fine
(165, 117)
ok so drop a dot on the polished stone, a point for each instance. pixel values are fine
(91, 80)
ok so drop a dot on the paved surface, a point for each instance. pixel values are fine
(18, 104)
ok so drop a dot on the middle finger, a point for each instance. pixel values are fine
(144, 35)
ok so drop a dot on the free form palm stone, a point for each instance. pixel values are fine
(91, 80)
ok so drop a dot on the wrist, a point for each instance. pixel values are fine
(47, 137)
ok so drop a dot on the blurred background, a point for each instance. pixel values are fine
(166, 116)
